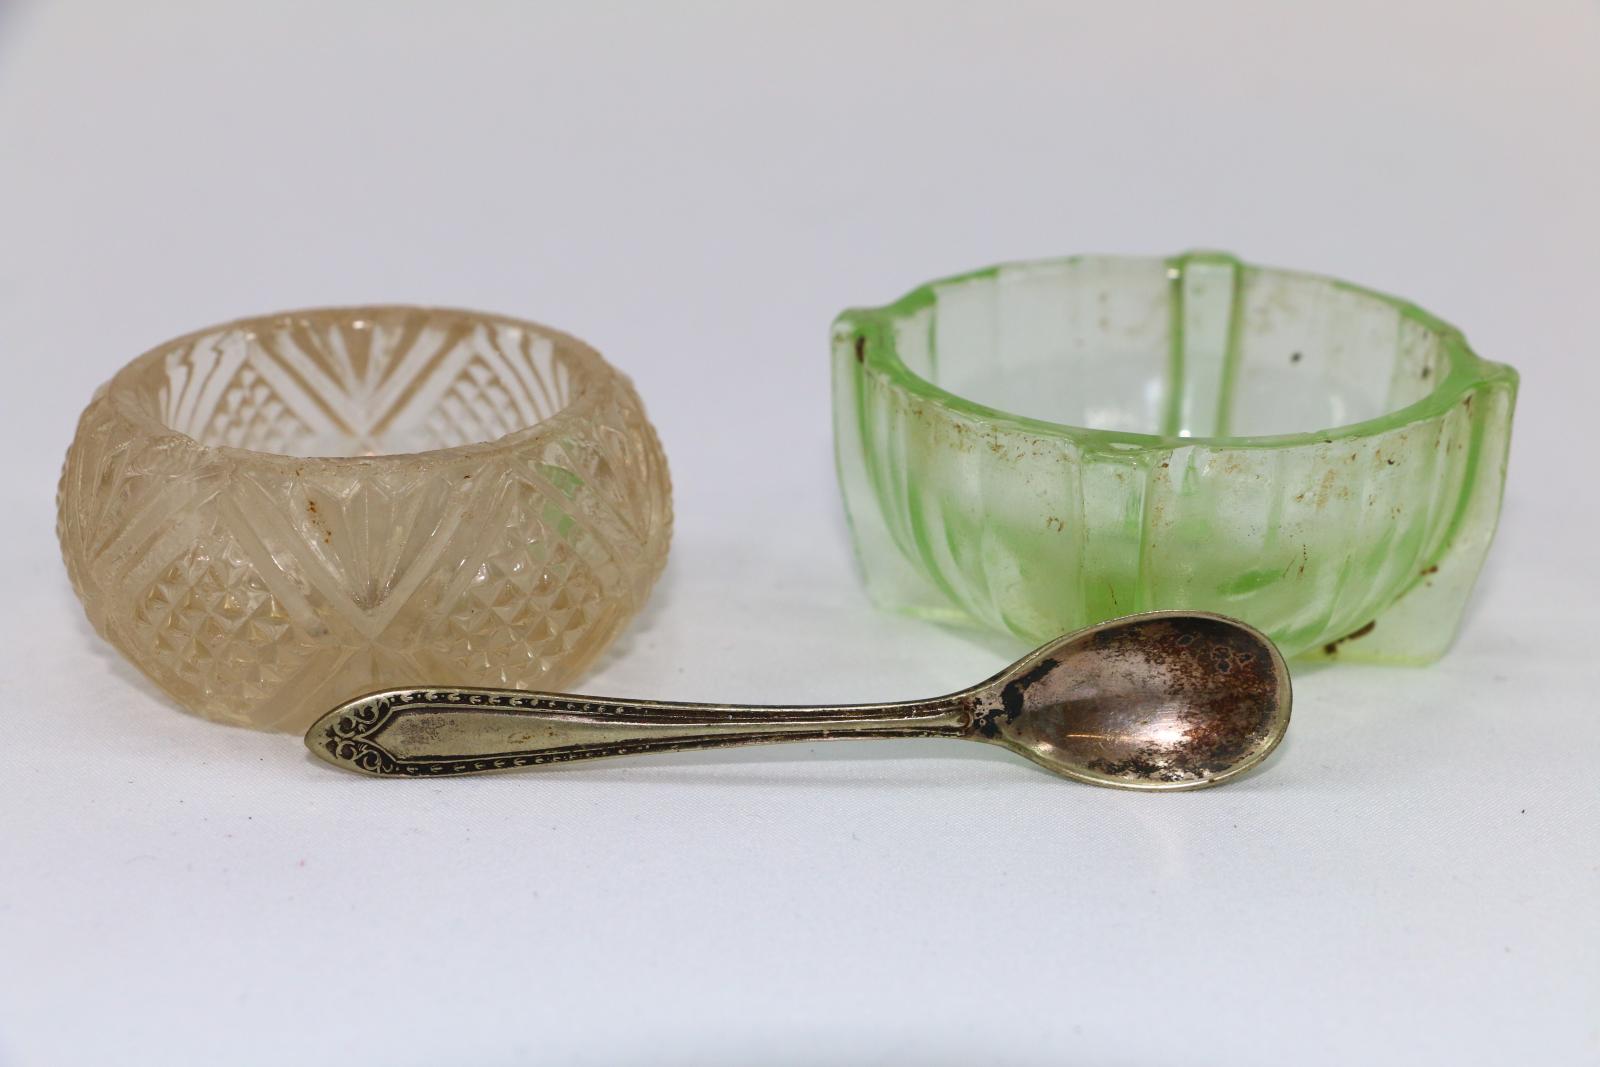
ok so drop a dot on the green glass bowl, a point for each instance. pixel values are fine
(1041, 446)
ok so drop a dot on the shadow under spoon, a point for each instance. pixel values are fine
(1164, 700)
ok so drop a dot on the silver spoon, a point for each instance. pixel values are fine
(1165, 700)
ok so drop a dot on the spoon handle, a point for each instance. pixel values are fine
(431, 733)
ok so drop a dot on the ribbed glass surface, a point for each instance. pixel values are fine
(1041, 446)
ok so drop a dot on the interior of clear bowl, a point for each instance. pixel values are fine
(1197, 347)
(356, 382)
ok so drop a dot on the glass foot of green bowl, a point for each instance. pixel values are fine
(1041, 446)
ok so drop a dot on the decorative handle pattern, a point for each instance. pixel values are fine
(416, 733)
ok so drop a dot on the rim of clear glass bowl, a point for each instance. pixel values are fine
(1466, 368)
(123, 392)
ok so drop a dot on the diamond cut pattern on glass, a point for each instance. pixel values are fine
(479, 502)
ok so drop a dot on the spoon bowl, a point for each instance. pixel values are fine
(1165, 700)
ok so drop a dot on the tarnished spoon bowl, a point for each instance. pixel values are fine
(1165, 700)
(1169, 700)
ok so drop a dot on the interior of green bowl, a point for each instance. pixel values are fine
(1196, 346)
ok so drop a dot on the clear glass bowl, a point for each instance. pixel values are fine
(272, 516)
(1041, 446)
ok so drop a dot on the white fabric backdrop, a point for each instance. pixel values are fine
(697, 189)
